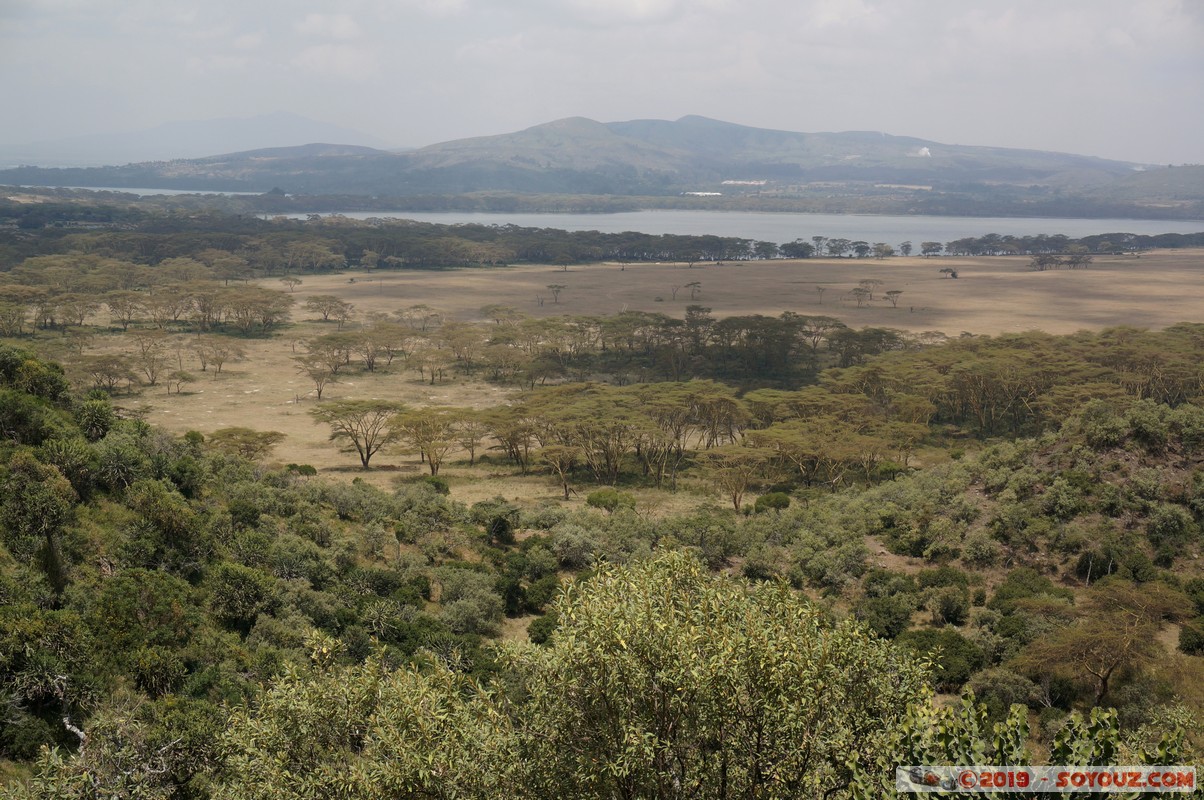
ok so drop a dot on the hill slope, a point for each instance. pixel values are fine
(662, 158)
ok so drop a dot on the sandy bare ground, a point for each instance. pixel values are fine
(991, 296)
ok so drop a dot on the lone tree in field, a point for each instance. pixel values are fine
(216, 351)
(870, 284)
(291, 281)
(178, 378)
(317, 371)
(152, 356)
(365, 425)
(330, 307)
(893, 297)
(556, 289)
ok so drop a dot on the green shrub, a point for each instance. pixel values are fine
(1191, 637)
(774, 501)
(439, 484)
(1102, 426)
(542, 592)
(1062, 499)
(541, 628)
(941, 576)
(23, 734)
(471, 602)
(1195, 590)
(886, 616)
(949, 605)
(158, 671)
(980, 550)
(239, 594)
(609, 500)
(999, 689)
(1148, 422)
(573, 545)
(956, 657)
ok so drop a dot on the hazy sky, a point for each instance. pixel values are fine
(1115, 78)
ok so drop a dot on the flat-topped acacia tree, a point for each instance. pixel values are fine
(366, 425)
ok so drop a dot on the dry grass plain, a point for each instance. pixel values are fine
(990, 296)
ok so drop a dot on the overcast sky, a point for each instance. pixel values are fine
(1120, 79)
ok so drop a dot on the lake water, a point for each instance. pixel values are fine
(769, 226)
(146, 192)
(786, 227)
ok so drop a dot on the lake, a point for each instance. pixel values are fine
(786, 227)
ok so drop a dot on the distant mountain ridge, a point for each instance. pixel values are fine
(855, 170)
(184, 139)
(708, 149)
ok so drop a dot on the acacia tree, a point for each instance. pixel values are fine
(317, 371)
(330, 307)
(246, 442)
(734, 469)
(431, 431)
(124, 306)
(870, 284)
(255, 306)
(1113, 637)
(471, 430)
(216, 351)
(561, 459)
(366, 425)
(106, 371)
(152, 354)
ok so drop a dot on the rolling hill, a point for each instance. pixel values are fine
(871, 171)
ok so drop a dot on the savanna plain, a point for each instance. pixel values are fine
(989, 296)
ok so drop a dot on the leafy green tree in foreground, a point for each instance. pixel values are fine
(666, 681)
(962, 734)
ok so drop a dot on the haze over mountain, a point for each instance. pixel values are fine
(658, 158)
(182, 139)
